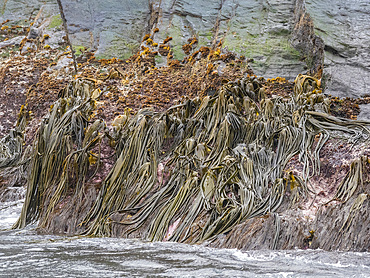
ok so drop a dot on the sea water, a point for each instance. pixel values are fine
(24, 253)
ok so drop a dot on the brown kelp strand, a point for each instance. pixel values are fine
(13, 158)
(193, 171)
(60, 155)
(11, 144)
(227, 162)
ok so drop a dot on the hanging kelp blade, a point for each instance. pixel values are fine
(192, 172)
(61, 144)
(226, 164)
(11, 144)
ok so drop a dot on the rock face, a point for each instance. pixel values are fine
(344, 27)
(263, 31)
(114, 28)
(304, 39)
(259, 30)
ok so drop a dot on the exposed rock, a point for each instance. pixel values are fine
(259, 30)
(67, 221)
(20, 10)
(14, 41)
(114, 28)
(304, 39)
(344, 27)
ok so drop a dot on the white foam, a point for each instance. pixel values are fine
(9, 213)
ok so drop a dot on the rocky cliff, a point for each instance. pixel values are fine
(343, 25)
(259, 30)
(264, 31)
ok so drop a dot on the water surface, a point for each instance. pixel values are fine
(23, 253)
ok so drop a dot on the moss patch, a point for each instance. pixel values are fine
(77, 49)
(56, 21)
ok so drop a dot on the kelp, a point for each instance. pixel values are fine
(226, 164)
(11, 145)
(60, 153)
(13, 158)
(356, 206)
(192, 172)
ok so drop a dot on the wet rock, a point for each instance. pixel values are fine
(66, 221)
(344, 27)
(343, 226)
(11, 194)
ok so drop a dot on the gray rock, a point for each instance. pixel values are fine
(63, 63)
(33, 33)
(17, 10)
(114, 28)
(344, 27)
(14, 41)
(259, 30)
(365, 112)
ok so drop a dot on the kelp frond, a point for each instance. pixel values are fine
(226, 164)
(62, 144)
(194, 171)
(11, 144)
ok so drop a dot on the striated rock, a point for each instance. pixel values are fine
(258, 30)
(330, 230)
(67, 221)
(344, 27)
(21, 10)
(114, 28)
(304, 39)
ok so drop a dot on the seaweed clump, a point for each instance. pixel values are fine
(192, 172)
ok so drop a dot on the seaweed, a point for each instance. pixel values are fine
(226, 163)
(191, 172)
(60, 152)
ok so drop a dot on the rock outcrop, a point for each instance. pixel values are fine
(264, 31)
(343, 26)
(260, 31)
